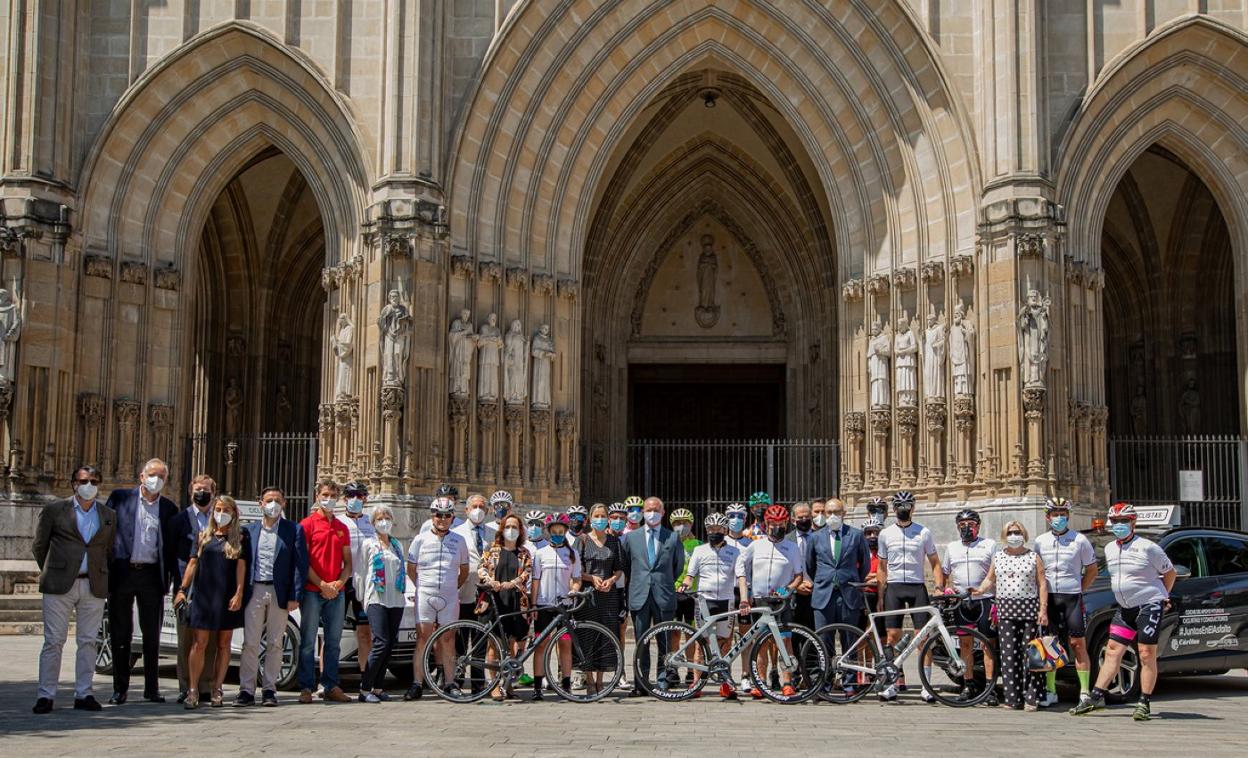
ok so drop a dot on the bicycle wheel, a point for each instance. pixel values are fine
(668, 675)
(949, 672)
(809, 672)
(847, 643)
(483, 654)
(594, 649)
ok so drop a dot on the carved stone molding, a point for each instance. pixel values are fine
(461, 266)
(329, 279)
(962, 266)
(325, 418)
(1033, 402)
(903, 278)
(487, 415)
(345, 412)
(933, 272)
(513, 417)
(881, 418)
(160, 416)
(127, 412)
(877, 284)
(1078, 411)
(517, 278)
(935, 414)
(907, 421)
(1099, 416)
(1075, 270)
(489, 271)
(1030, 245)
(97, 265)
(396, 245)
(1094, 279)
(134, 272)
(391, 402)
(539, 418)
(964, 412)
(565, 424)
(543, 283)
(457, 408)
(91, 408)
(569, 289)
(235, 346)
(167, 278)
(855, 424)
(851, 290)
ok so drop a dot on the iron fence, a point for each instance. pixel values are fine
(245, 465)
(1202, 474)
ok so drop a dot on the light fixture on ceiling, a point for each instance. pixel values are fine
(709, 95)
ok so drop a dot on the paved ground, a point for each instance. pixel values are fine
(1204, 713)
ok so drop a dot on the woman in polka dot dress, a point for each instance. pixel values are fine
(1017, 574)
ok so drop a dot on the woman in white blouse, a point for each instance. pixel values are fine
(385, 583)
(1017, 574)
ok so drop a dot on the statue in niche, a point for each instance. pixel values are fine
(343, 341)
(962, 353)
(285, 410)
(516, 364)
(906, 355)
(1033, 339)
(543, 357)
(462, 344)
(1139, 411)
(10, 331)
(233, 407)
(934, 356)
(1189, 407)
(879, 352)
(489, 346)
(395, 323)
(707, 311)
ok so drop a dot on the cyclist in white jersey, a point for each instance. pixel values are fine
(965, 565)
(713, 567)
(1070, 569)
(904, 549)
(437, 563)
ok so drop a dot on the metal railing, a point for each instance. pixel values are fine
(245, 465)
(1205, 475)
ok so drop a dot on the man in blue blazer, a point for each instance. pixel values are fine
(143, 567)
(653, 557)
(277, 570)
(836, 556)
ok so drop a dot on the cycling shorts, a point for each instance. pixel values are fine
(433, 608)
(723, 627)
(873, 606)
(898, 596)
(782, 618)
(976, 613)
(684, 608)
(1066, 615)
(1141, 624)
(544, 619)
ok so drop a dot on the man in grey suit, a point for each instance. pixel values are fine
(653, 558)
(73, 544)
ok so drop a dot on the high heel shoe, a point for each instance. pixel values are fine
(192, 700)
(217, 698)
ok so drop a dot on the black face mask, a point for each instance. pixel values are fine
(873, 543)
(576, 527)
(776, 533)
(903, 514)
(716, 539)
(201, 497)
(968, 532)
(803, 525)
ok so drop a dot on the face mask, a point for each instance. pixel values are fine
(1014, 540)
(757, 513)
(499, 513)
(272, 509)
(1120, 530)
(355, 505)
(683, 530)
(803, 525)
(383, 525)
(87, 492)
(476, 515)
(736, 523)
(558, 539)
(1058, 523)
(834, 522)
(535, 532)
(511, 534)
(222, 518)
(716, 538)
(903, 514)
(201, 498)
(326, 504)
(968, 532)
(654, 518)
(820, 520)
(775, 533)
(575, 527)
(154, 484)
(618, 524)
(634, 517)
(873, 543)
(599, 524)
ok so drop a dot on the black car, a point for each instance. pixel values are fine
(1205, 630)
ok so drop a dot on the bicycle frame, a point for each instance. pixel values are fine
(935, 625)
(764, 625)
(529, 650)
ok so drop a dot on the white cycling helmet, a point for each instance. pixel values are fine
(502, 496)
(535, 516)
(716, 519)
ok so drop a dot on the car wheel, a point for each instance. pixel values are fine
(288, 674)
(1126, 685)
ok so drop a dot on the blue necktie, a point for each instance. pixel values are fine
(480, 543)
(650, 547)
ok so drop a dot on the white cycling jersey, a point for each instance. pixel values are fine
(437, 563)
(714, 570)
(1135, 571)
(904, 552)
(966, 566)
(1065, 557)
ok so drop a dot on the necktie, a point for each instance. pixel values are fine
(650, 547)
(480, 542)
(836, 547)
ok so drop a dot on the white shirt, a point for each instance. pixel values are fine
(1065, 557)
(468, 593)
(767, 566)
(558, 566)
(427, 527)
(146, 547)
(1135, 572)
(266, 551)
(905, 551)
(967, 566)
(715, 570)
(742, 541)
(437, 562)
(361, 530)
(389, 594)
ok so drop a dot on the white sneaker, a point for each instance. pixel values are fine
(927, 696)
(624, 685)
(578, 680)
(1048, 699)
(889, 694)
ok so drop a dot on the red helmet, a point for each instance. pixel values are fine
(776, 513)
(557, 519)
(1122, 510)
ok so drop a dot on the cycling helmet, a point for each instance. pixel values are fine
(877, 506)
(682, 514)
(736, 508)
(502, 496)
(776, 513)
(903, 497)
(617, 508)
(1122, 510)
(558, 519)
(873, 522)
(535, 516)
(966, 514)
(447, 490)
(760, 498)
(634, 501)
(716, 519)
(442, 505)
(1057, 504)
(577, 510)
(355, 489)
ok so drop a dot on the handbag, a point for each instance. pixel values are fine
(1046, 653)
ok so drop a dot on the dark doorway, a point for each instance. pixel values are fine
(706, 401)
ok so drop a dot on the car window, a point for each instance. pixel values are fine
(1226, 555)
(1183, 552)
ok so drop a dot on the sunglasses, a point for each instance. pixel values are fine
(86, 481)
(443, 515)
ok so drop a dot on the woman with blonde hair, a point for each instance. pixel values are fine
(1017, 573)
(215, 581)
(384, 584)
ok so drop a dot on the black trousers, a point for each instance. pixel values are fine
(141, 586)
(383, 625)
(803, 613)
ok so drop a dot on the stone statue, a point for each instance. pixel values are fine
(462, 343)
(934, 356)
(879, 350)
(233, 407)
(343, 341)
(516, 364)
(10, 330)
(489, 345)
(1139, 411)
(962, 353)
(395, 323)
(285, 411)
(1189, 407)
(906, 355)
(1033, 340)
(707, 311)
(543, 358)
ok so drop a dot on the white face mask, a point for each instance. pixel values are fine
(820, 520)
(382, 525)
(1014, 540)
(834, 522)
(222, 518)
(654, 518)
(683, 530)
(272, 509)
(154, 484)
(511, 534)
(476, 515)
(87, 492)
(326, 504)
(355, 505)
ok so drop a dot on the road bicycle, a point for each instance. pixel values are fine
(862, 663)
(682, 668)
(485, 661)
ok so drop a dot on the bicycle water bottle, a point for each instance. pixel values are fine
(905, 640)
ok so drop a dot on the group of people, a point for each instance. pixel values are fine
(341, 560)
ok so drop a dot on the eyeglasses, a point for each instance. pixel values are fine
(86, 481)
(1013, 534)
(443, 515)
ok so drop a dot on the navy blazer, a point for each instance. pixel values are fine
(185, 532)
(125, 504)
(829, 576)
(290, 562)
(657, 581)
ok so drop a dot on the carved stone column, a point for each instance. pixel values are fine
(964, 421)
(1033, 408)
(565, 430)
(342, 439)
(457, 407)
(907, 426)
(325, 427)
(855, 431)
(160, 418)
(1099, 418)
(391, 422)
(539, 418)
(936, 411)
(127, 414)
(487, 421)
(513, 416)
(1080, 424)
(881, 420)
(91, 410)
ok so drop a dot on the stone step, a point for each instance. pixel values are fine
(20, 616)
(21, 602)
(26, 588)
(32, 628)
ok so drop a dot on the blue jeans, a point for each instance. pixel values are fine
(315, 611)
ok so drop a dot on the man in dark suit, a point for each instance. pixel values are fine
(185, 529)
(143, 565)
(653, 557)
(802, 533)
(72, 546)
(277, 568)
(837, 556)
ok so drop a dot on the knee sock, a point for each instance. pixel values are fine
(537, 683)
(1050, 681)
(1084, 678)
(566, 682)
(927, 673)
